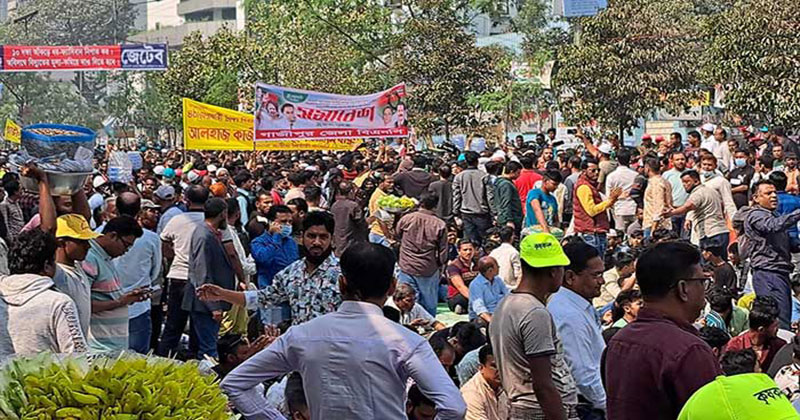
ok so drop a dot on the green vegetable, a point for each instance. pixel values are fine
(126, 388)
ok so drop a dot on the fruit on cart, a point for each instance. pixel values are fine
(394, 202)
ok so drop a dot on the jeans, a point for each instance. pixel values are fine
(276, 314)
(717, 245)
(139, 329)
(677, 226)
(595, 240)
(475, 226)
(207, 331)
(156, 323)
(176, 319)
(427, 288)
(777, 286)
(378, 239)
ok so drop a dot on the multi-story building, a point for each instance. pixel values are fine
(205, 16)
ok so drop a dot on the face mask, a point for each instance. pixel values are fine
(706, 174)
(286, 231)
(740, 163)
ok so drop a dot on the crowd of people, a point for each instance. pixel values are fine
(530, 281)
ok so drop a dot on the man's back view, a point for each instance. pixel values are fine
(355, 362)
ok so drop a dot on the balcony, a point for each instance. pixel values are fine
(192, 6)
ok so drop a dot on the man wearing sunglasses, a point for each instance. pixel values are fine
(661, 349)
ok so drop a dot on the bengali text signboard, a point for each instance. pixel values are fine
(285, 114)
(20, 58)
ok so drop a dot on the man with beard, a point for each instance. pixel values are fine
(310, 284)
(209, 264)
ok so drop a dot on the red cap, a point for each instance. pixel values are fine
(659, 139)
(646, 136)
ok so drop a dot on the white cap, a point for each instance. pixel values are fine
(158, 170)
(193, 176)
(612, 233)
(605, 148)
(98, 181)
(212, 169)
(221, 171)
(499, 155)
(708, 127)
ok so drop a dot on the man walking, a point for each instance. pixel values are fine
(472, 198)
(769, 248)
(423, 251)
(342, 356)
(529, 353)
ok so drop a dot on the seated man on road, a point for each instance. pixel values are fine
(486, 291)
(412, 313)
(484, 393)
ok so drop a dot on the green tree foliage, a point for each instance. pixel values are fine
(754, 52)
(40, 97)
(630, 59)
(442, 65)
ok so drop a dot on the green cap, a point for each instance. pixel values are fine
(542, 250)
(739, 397)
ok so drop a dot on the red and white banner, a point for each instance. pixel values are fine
(292, 114)
(16, 58)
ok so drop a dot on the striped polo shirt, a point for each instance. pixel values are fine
(108, 330)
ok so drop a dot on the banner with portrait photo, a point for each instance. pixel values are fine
(285, 114)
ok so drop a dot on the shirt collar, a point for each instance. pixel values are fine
(356, 307)
(99, 250)
(652, 315)
(576, 299)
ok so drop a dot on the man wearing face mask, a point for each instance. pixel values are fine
(740, 177)
(273, 251)
(712, 179)
(310, 284)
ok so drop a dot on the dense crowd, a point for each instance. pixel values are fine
(529, 281)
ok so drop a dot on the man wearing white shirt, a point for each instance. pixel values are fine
(711, 178)
(507, 258)
(355, 362)
(412, 313)
(623, 177)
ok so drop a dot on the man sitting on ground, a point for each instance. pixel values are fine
(486, 291)
(484, 393)
(412, 313)
(762, 335)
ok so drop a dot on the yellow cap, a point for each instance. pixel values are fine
(542, 250)
(742, 397)
(74, 226)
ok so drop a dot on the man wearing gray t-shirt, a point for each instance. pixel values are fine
(529, 353)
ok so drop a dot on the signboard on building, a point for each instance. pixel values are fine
(578, 8)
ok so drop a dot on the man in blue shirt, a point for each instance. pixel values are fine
(578, 325)
(273, 251)
(486, 291)
(787, 203)
(541, 207)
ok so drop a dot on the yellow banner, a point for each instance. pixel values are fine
(209, 127)
(327, 144)
(13, 132)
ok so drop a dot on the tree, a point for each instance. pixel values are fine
(630, 59)
(38, 97)
(753, 54)
(443, 67)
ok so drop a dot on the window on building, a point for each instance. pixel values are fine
(201, 16)
(229, 13)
